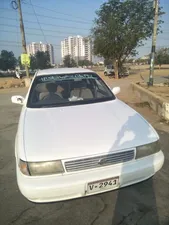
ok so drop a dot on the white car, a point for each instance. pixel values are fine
(75, 138)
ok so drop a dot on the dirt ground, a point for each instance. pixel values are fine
(9, 82)
(139, 73)
(160, 91)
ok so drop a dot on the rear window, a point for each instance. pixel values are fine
(68, 89)
(110, 67)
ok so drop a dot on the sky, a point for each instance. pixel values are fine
(50, 21)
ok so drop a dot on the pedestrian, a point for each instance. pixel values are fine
(17, 74)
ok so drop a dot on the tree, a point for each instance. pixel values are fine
(130, 60)
(85, 62)
(107, 62)
(162, 56)
(7, 60)
(33, 63)
(69, 62)
(143, 61)
(42, 60)
(20, 64)
(120, 27)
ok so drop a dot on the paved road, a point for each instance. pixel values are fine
(145, 203)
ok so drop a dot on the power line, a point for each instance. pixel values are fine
(159, 46)
(53, 25)
(162, 38)
(53, 36)
(75, 21)
(58, 46)
(48, 24)
(20, 42)
(53, 10)
(82, 3)
(30, 28)
(11, 45)
(15, 43)
(58, 31)
(38, 21)
(52, 17)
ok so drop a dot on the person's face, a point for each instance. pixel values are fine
(60, 89)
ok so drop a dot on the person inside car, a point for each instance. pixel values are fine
(54, 92)
(59, 90)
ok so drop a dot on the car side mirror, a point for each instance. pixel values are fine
(17, 99)
(116, 90)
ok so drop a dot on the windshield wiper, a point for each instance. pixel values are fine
(72, 103)
(56, 105)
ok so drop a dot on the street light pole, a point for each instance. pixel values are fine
(22, 34)
(154, 38)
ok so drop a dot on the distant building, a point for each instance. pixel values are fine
(78, 47)
(34, 47)
(145, 57)
(50, 49)
(88, 48)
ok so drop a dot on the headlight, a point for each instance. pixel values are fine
(146, 150)
(41, 168)
(23, 166)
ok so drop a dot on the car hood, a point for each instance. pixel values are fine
(75, 131)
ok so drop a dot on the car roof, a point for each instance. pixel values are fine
(62, 71)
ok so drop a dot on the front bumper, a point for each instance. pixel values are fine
(74, 185)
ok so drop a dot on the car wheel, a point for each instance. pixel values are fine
(105, 73)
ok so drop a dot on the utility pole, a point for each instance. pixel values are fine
(156, 5)
(22, 33)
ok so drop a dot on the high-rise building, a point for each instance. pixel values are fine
(35, 47)
(50, 49)
(88, 48)
(78, 47)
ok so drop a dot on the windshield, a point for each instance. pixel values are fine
(68, 89)
(110, 67)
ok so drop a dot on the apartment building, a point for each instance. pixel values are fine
(78, 47)
(34, 47)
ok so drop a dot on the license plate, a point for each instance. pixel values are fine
(102, 185)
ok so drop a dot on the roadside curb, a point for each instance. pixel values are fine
(157, 103)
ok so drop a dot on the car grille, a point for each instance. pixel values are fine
(99, 161)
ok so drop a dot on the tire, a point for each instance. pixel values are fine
(105, 73)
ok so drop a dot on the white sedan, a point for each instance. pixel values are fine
(75, 138)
